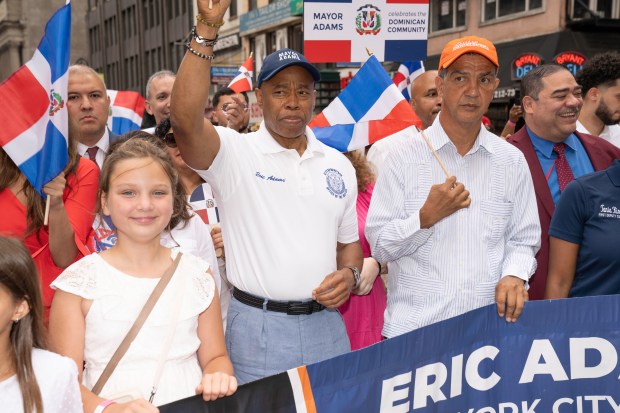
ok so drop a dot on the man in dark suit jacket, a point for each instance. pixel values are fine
(551, 104)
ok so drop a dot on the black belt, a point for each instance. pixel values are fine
(288, 307)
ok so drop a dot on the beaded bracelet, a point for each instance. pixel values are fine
(197, 53)
(511, 123)
(202, 20)
(203, 41)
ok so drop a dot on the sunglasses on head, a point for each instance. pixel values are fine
(169, 140)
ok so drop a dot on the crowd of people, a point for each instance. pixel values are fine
(196, 256)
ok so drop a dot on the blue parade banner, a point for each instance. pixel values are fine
(561, 356)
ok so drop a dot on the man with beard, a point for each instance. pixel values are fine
(600, 83)
(555, 152)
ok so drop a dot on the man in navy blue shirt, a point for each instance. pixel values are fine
(584, 237)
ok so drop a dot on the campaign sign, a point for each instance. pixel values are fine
(343, 30)
(561, 356)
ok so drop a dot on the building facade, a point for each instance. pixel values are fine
(22, 23)
(526, 34)
(131, 39)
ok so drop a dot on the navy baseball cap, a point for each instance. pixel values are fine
(281, 59)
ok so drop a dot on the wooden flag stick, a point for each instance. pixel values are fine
(435, 154)
(47, 211)
(369, 52)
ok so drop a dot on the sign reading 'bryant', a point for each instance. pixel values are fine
(524, 63)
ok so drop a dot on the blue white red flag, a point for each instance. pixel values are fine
(33, 112)
(126, 110)
(243, 81)
(370, 108)
(407, 72)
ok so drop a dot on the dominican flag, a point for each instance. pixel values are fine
(370, 108)
(243, 81)
(407, 72)
(33, 106)
(126, 110)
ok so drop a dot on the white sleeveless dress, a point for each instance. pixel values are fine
(117, 300)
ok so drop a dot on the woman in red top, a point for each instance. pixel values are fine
(72, 204)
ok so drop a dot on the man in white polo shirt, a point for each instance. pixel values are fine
(287, 206)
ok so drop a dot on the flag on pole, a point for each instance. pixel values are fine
(126, 110)
(407, 72)
(370, 108)
(243, 81)
(33, 106)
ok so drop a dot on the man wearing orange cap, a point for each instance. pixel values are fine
(459, 244)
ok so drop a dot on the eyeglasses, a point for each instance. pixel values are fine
(169, 140)
(225, 106)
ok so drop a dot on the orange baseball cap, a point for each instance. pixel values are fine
(468, 44)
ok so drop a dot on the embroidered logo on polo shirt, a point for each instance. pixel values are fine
(335, 183)
(609, 212)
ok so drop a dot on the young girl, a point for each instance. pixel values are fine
(100, 296)
(31, 379)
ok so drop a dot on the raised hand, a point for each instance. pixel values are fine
(213, 10)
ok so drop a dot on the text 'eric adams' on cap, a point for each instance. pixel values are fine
(281, 59)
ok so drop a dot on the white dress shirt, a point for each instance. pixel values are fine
(103, 144)
(454, 266)
(611, 133)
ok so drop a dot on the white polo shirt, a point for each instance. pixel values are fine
(281, 214)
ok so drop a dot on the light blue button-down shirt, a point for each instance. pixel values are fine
(576, 156)
(454, 266)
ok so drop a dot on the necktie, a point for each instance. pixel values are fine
(92, 154)
(565, 174)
